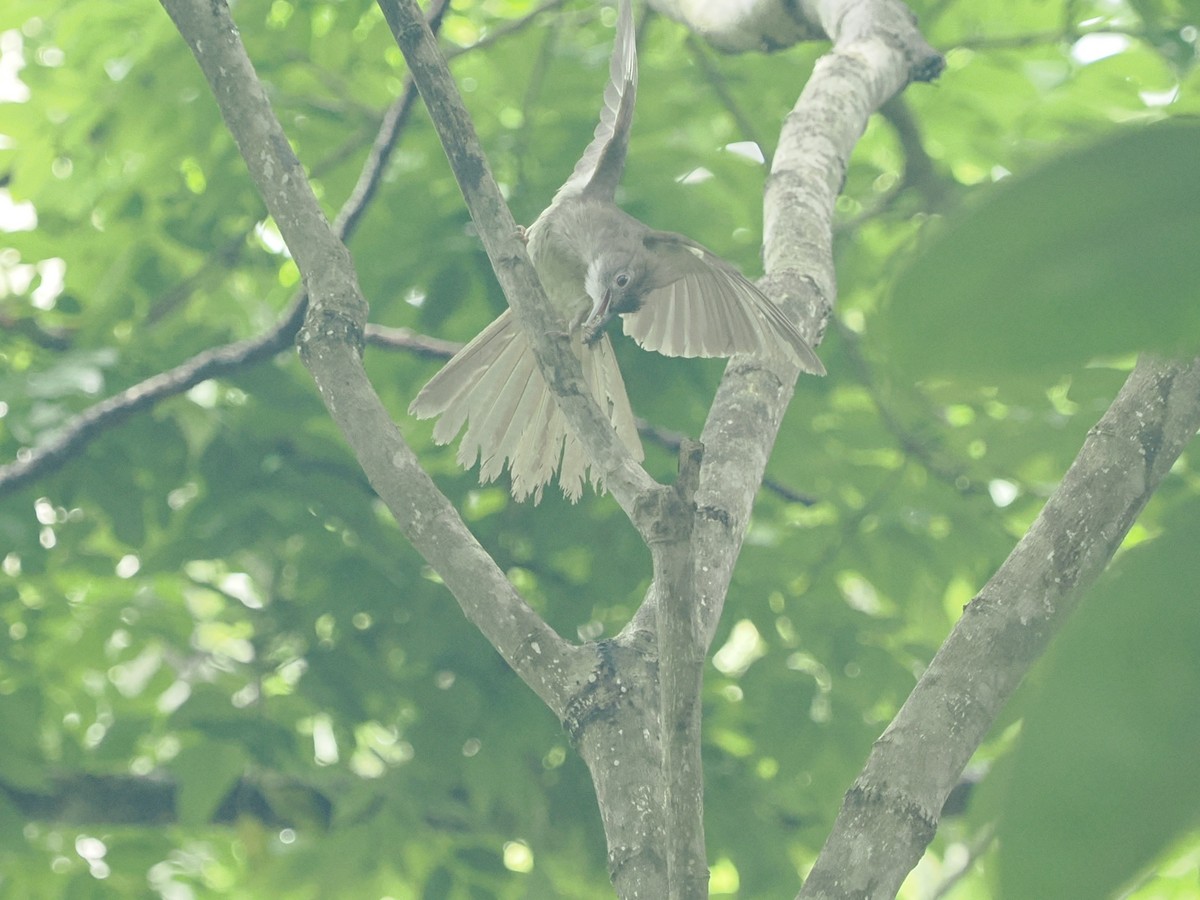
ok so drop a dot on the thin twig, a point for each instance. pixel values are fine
(978, 846)
(673, 440)
(410, 341)
(919, 172)
(504, 30)
(954, 474)
(232, 357)
(111, 411)
(720, 86)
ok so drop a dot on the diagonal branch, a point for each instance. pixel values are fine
(625, 479)
(891, 813)
(83, 428)
(876, 52)
(925, 452)
(217, 361)
(330, 341)
(719, 85)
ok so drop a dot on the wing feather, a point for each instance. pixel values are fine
(699, 305)
(616, 115)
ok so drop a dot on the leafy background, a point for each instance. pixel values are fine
(210, 594)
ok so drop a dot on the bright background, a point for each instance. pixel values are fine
(209, 593)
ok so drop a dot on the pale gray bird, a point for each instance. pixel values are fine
(596, 262)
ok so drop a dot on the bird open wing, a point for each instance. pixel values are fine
(599, 169)
(700, 305)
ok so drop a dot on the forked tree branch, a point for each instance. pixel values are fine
(330, 342)
(650, 796)
(891, 813)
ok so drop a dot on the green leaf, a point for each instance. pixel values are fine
(12, 822)
(1105, 776)
(21, 765)
(205, 773)
(1093, 255)
(245, 489)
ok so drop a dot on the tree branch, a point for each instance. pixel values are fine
(624, 478)
(680, 679)
(81, 800)
(229, 358)
(891, 812)
(330, 340)
(410, 341)
(112, 411)
(877, 51)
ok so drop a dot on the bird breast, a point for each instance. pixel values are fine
(558, 256)
(567, 238)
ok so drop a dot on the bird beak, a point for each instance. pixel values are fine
(593, 325)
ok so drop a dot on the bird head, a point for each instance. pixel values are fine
(616, 283)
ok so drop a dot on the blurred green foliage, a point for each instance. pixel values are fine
(211, 591)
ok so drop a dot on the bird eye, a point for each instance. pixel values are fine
(622, 280)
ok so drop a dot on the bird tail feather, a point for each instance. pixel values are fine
(494, 387)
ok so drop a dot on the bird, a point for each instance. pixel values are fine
(596, 262)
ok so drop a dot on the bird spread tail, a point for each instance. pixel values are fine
(493, 385)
